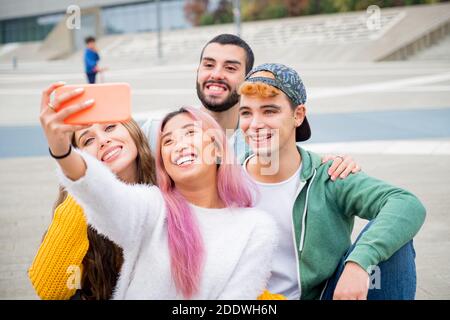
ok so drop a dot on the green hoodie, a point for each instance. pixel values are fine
(328, 208)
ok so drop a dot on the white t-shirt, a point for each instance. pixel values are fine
(278, 200)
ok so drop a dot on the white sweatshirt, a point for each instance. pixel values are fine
(239, 242)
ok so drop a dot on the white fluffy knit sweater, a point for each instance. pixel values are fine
(239, 242)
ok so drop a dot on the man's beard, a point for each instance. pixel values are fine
(229, 102)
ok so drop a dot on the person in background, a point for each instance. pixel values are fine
(91, 58)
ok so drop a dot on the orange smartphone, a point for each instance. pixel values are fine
(112, 103)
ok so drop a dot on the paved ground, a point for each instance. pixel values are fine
(393, 117)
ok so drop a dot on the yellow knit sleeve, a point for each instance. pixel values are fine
(57, 267)
(267, 295)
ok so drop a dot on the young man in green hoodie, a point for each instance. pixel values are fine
(315, 258)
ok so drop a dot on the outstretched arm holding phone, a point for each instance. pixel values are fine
(58, 133)
(95, 187)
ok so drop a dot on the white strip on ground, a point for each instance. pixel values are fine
(411, 147)
(406, 147)
(137, 92)
(394, 147)
(316, 92)
(391, 85)
(154, 114)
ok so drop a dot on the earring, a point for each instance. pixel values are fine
(218, 160)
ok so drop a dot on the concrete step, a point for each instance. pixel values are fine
(439, 52)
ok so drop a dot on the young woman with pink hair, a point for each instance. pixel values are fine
(195, 236)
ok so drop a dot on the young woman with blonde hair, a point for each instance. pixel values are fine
(74, 255)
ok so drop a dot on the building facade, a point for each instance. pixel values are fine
(33, 20)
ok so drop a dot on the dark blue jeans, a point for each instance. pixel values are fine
(91, 77)
(394, 279)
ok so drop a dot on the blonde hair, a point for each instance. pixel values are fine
(259, 89)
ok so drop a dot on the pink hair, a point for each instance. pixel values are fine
(185, 240)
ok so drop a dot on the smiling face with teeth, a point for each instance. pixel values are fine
(187, 151)
(221, 71)
(113, 145)
(269, 122)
